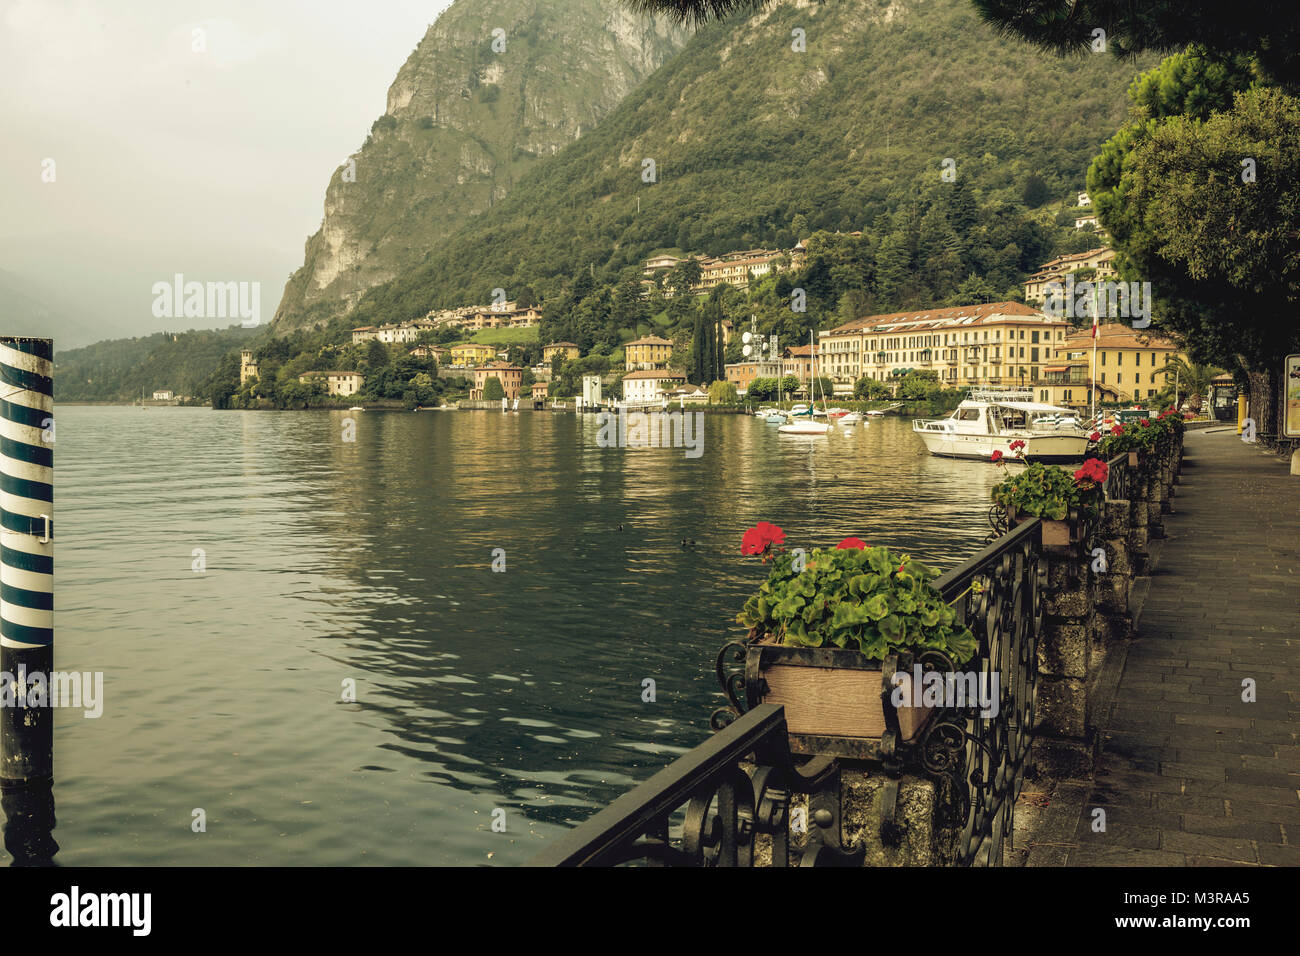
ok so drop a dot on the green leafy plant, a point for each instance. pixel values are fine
(856, 598)
(1043, 491)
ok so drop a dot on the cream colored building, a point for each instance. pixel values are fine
(398, 334)
(650, 385)
(1100, 260)
(998, 343)
(336, 383)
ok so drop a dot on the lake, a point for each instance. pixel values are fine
(325, 563)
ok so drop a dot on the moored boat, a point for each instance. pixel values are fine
(990, 421)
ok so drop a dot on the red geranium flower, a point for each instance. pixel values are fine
(1017, 445)
(760, 538)
(753, 542)
(997, 454)
(1094, 470)
(1117, 429)
(848, 543)
(1095, 436)
(1144, 422)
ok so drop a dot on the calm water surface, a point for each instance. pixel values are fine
(370, 561)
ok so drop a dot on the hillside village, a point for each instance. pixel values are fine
(487, 353)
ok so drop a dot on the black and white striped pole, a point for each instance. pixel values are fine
(26, 555)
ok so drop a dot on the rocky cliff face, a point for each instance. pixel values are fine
(494, 86)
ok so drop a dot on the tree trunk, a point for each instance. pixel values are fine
(1264, 406)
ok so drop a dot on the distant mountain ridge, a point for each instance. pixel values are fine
(757, 143)
(493, 87)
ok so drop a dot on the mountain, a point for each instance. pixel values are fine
(30, 307)
(756, 143)
(121, 370)
(492, 88)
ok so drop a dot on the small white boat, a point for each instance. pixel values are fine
(805, 427)
(849, 418)
(764, 412)
(876, 413)
(356, 408)
(776, 418)
(800, 409)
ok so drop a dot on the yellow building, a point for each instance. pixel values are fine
(997, 343)
(567, 350)
(472, 353)
(648, 352)
(1068, 384)
(1130, 363)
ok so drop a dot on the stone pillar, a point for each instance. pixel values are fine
(1064, 745)
(925, 837)
(1114, 585)
(1155, 497)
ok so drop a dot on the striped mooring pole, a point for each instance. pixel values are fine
(26, 554)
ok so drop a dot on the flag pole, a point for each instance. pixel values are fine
(1095, 331)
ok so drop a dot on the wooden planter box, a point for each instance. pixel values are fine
(1133, 459)
(1056, 534)
(834, 699)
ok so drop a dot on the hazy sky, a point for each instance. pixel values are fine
(212, 164)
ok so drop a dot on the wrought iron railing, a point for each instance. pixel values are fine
(977, 758)
(998, 594)
(723, 808)
(1121, 478)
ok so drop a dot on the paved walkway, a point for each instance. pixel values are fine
(1190, 774)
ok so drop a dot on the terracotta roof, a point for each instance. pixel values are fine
(557, 345)
(951, 314)
(499, 367)
(1117, 335)
(801, 351)
(657, 373)
(648, 340)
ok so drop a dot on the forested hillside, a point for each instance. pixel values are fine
(755, 144)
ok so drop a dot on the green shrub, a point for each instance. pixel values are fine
(860, 599)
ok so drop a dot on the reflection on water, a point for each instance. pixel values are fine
(327, 561)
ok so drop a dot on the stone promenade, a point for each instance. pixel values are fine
(1190, 773)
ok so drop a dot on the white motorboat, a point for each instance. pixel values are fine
(851, 418)
(989, 421)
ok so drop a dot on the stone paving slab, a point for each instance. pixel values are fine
(1189, 773)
